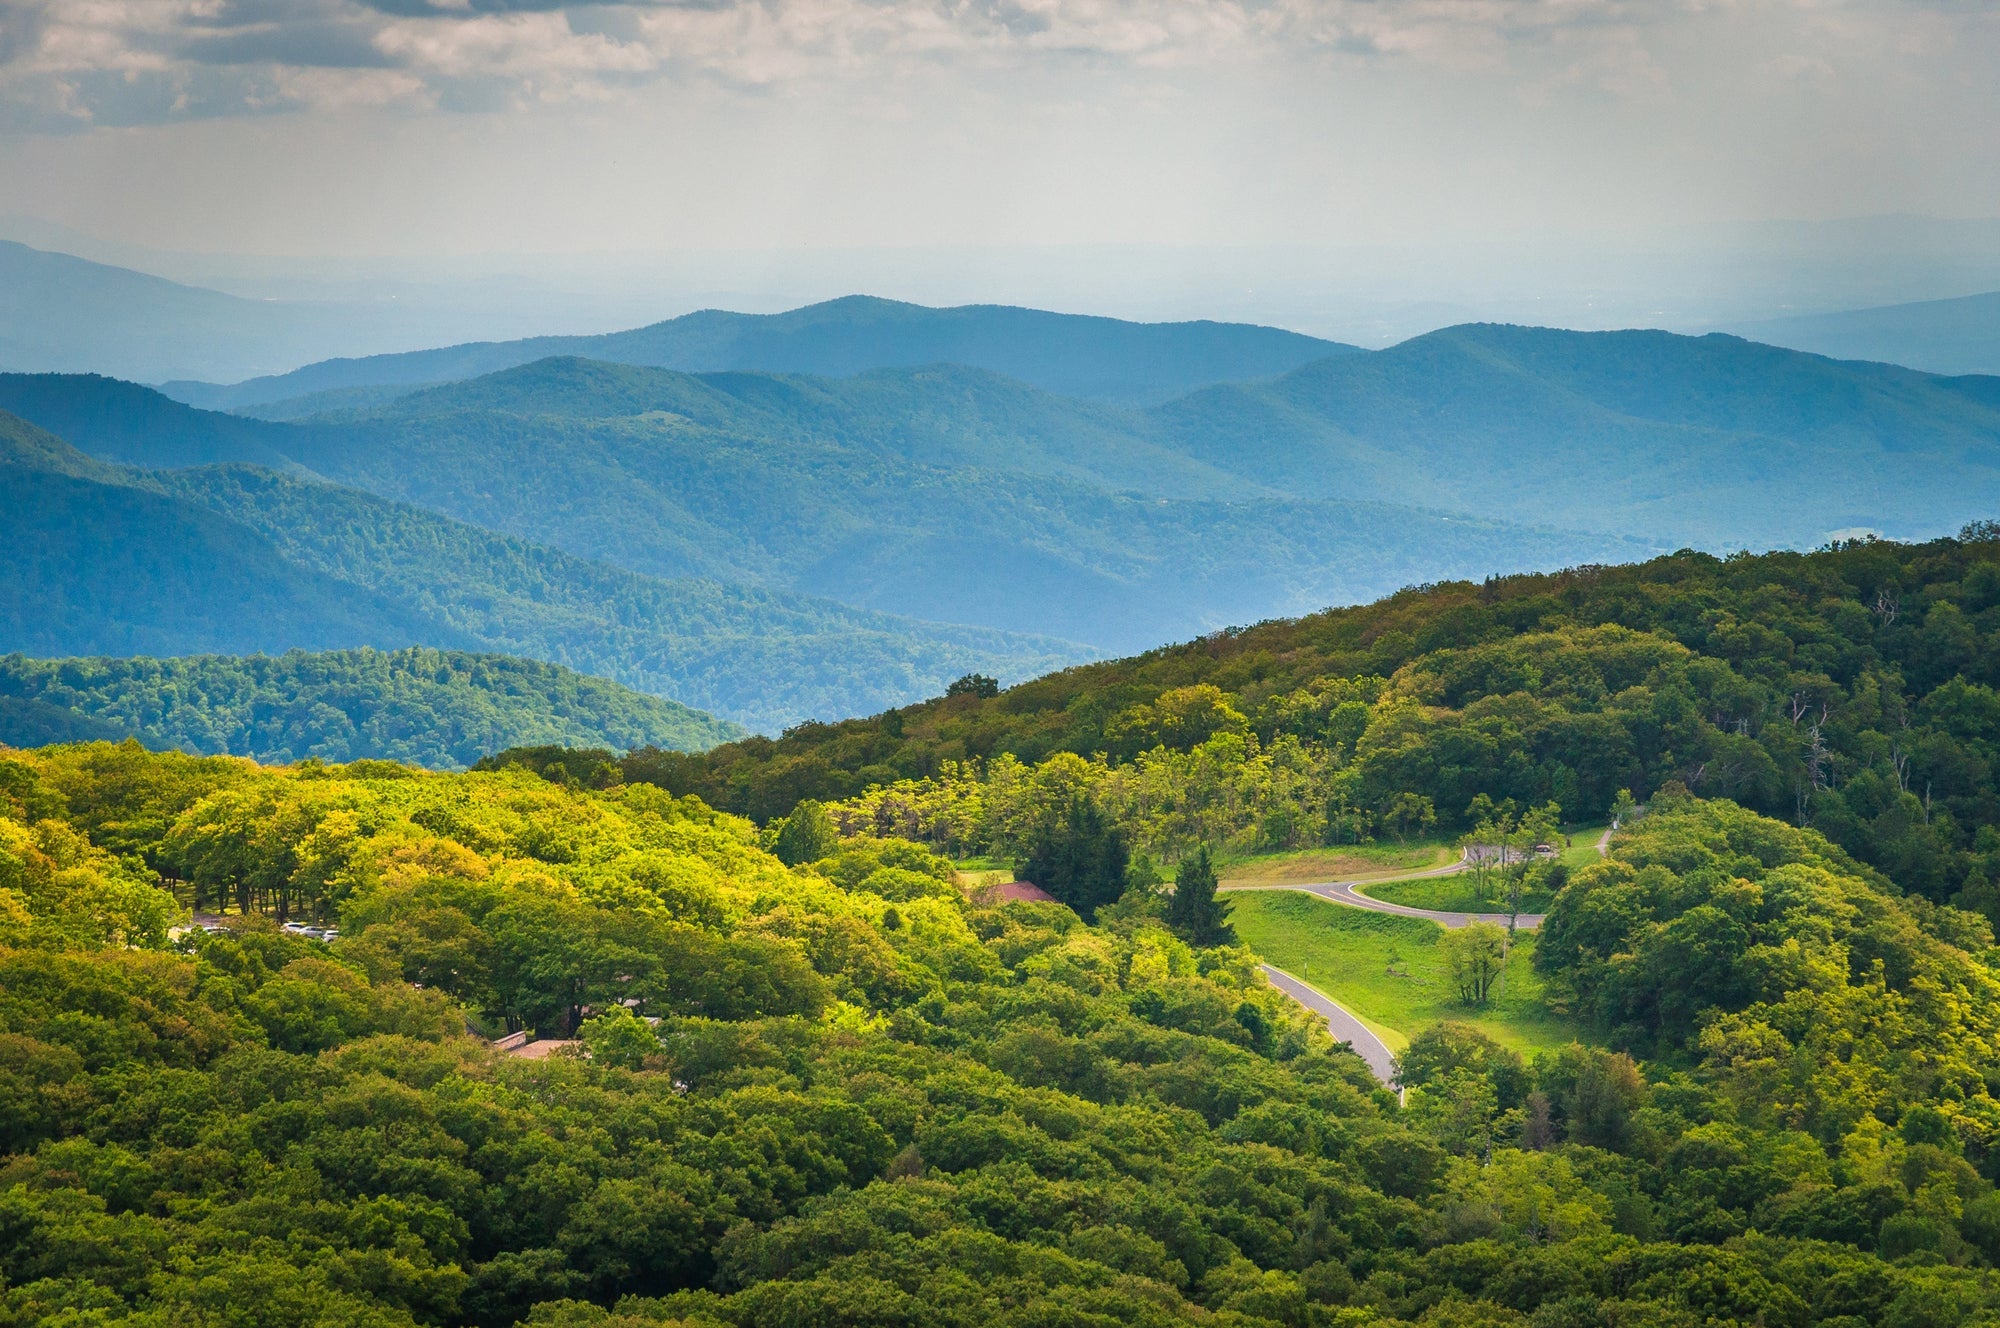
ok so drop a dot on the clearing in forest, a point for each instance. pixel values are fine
(1388, 972)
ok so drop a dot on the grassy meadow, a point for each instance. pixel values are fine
(1344, 863)
(1386, 969)
(1453, 894)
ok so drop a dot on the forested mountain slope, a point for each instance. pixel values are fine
(94, 563)
(1071, 354)
(1855, 690)
(762, 657)
(236, 559)
(133, 425)
(428, 707)
(866, 1102)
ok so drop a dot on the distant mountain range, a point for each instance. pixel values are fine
(774, 546)
(235, 559)
(1068, 354)
(942, 493)
(1710, 441)
(1959, 336)
(68, 315)
(953, 494)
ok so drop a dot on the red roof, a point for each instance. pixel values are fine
(1011, 892)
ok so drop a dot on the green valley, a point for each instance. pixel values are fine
(241, 559)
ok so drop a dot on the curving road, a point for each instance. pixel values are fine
(1344, 1026)
(1344, 892)
(1347, 892)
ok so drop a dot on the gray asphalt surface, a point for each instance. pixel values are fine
(1344, 1026)
(1346, 892)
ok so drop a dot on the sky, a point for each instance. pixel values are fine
(1171, 156)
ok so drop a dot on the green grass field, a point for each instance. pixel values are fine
(1459, 893)
(1386, 969)
(1583, 846)
(1452, 894)
(1344, 863)
(973, 872)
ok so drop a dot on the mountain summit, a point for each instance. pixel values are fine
(1071, 354)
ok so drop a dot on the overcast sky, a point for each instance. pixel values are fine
(483, 127)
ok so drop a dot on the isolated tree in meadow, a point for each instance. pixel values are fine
(1195, 914)
(1474, 957)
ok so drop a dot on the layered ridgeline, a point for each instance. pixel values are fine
(241, 559)
(866, 1102)
(942, 493)
(1852, 690)
(434, 708)
(1071, 354)
(1680, 437)
(951, 494)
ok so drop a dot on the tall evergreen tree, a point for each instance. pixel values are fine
(1078, 858)
(1194, 912)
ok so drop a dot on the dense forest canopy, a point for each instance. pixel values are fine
(1852, 690)
(839, 1094)
(427, 707)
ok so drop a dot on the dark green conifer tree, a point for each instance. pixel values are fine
(1194, 912)
(1079, 858)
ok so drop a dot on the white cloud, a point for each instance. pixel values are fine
(74, 63)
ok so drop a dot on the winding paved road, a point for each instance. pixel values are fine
(1344, 1026)
(1346, 892)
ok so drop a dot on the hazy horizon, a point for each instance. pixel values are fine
(1363, 171)
(1685, 281)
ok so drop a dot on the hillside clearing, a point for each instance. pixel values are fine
(1385, 969)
